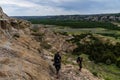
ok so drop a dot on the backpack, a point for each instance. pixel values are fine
(78, 59)
(57, 59)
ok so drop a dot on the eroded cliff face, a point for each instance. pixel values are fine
(19, 55)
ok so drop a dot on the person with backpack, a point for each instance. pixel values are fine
(79, 61)
(57, 63)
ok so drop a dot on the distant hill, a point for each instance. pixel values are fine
(95, 17)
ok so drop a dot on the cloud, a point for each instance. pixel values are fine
(58, 7)
(18, 3)
(28, 8)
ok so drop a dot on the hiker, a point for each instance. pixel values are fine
(57, 62)
(79, 61)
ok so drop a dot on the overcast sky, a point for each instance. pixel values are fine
(58, 7)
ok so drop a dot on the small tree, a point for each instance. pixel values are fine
(108, 58)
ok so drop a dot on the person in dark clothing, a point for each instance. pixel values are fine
(79, 61)
(57, 62)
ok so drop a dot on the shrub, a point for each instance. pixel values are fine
(45, 45)
(37, 34)
(16, 35)
(108, 61)
(35, 29)
(63, 33)
(108, 58)
(95, 73)
(118, 62)
(107, 78)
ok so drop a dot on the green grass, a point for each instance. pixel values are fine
(95, 30)
(102, 31)
(108, 72)
(66, 57)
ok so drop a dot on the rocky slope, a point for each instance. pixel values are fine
(2, 14)
(23, 56)
(19, 57)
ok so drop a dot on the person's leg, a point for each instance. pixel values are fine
(80, 67)
(57, 70)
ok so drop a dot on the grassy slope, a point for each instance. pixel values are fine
(109, 33)
(108, 72)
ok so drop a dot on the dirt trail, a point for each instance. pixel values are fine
(71, 72)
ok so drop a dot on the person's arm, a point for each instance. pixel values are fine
(54, 58)
(77, 60)
(60, 59)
